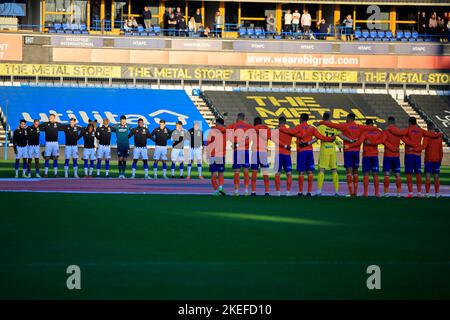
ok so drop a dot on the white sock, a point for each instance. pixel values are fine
(133, 171)
(173, 171)
(46, 170)
(146, 172)
(24, 171)
(55, 170)
(199, 171)
(85, 171)
(107, 172)
(17, 172)
(189, 170)
(75, 171)
(90, 171)
(66, 170)
(98, 172)
(164, 172)
(181, 172)
(155, 171)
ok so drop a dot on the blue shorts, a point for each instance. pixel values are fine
(413, 164)
(391, 164)
(241, 159)
(370, 164)
(259, 160)
(351, 159)
(284, 162)
(123, 151)
(305, 161)
(432, 167)
(217, 164)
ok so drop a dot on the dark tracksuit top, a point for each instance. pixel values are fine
(160, 136)
(51, 130)
(71, 134)
(33, 135)
(89, 138)
(178, 137)
(20, 138)
(103, 134)
(196, 138)
(141, 134)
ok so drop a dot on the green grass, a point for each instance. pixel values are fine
(191, 247)
(7, 170)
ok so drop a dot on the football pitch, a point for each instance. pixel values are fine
(204, 247)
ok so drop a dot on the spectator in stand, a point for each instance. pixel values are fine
(348, 27)
(166, 20)
(432, 24)
(295, 21)
(306, 22)
(147, 15)
(440, 28)
(423, 23)
(287, 21)
(447, 25)
(172, 25)
(198, 19)
(322, 29)
(218, 24)
(204, 32)
(130, 24)
(182, 27)
(191, 26)
(270, 24)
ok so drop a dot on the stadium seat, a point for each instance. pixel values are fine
(381, 34)
(141, 31)
(157, 30)
(259, 32)
(151, 31)
(399, 35)
(388, 35)
(407, 34)
(83, 29)
(365, 33)
(242, 31)
(251, 33)
(67, 28)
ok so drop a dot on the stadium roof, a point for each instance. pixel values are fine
(366, 2)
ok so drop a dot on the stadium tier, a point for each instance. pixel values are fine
(271, 105)
(435, 109)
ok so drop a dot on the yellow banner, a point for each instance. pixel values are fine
(407, 77)
(54, 70)
(298, 75)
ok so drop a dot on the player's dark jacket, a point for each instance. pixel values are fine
(141, 134)
(71, 134)
(103, 134)
(196, 138)
(33, 135)
(160, 136)
(89, 138)
(178, 137)
(20, 138)
(51, 130)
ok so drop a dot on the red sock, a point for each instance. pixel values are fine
(398, 181)
(246, 179)
(427, 184)
(386, 184)
(436, 184)
(419, 182)
(355, 184)
(221, 179)
(376, 184)
(366, 185)
(288, 182)
(214, 182)
(236, 180)
(350, 184)
(301, 179)
(266, 183)
(310, 182)
(409, 183)
(254, 178)
(277, 182)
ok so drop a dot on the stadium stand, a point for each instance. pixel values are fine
(435, 109)
(271, 105)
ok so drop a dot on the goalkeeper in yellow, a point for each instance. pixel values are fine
(327, 156)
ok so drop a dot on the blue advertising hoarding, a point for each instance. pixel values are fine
(97, 103)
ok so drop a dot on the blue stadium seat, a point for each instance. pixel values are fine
(365, 33)
(358, 34)
(251, 33)
(157, 30)
(399, 35)
(75, 28)
(83, 29)
(259, 33)
(141, 31)
(242, 31)
(407, 34)
(389, 34)
(373, 34)
(67, 28)
(381, 34)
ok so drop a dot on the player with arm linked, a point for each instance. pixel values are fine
(434, 153)
(412, 137)
(20, 145)
(370, 140)
(51, 129)
(282, 137)
(195, 153)
(103, 134)
(352, 131)
(239, 134)
(160, 135)
(259, 157)
(88, 135)
(140, 134)
(216, 144)
(71, 132)
(122, 130)
(33, 147)
(305, 156)
(178, 136)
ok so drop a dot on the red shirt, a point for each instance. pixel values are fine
(263, 135)
(412, 137)
(305, 133)
(374, 137)
(351, 130)
(216, 143)
(392, 142)
(284, 139)
(433, 149)
(240, 137)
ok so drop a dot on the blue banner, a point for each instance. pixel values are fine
(151, 105)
